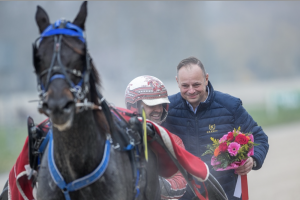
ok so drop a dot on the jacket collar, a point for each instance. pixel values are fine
(210, 97)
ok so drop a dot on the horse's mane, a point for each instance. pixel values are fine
(95, 84)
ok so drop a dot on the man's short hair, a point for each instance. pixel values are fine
(191, 60)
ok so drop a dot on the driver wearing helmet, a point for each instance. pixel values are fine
(150, 92)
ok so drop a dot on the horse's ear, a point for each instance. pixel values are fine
(42, 19)
(81, 16)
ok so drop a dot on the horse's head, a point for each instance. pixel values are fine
(63, 67)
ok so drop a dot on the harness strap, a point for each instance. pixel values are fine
(133, 153)
(137, 179)
(81, 182)
(133, 150)
(45, 142)
(63, 68)
(51, 67)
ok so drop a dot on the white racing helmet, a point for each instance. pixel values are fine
(148, 89)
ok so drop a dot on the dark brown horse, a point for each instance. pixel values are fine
(80, 161)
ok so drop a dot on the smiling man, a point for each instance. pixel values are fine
(150, 92)
(193, 83)
(198, 112)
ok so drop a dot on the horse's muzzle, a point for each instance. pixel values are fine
(61, 111)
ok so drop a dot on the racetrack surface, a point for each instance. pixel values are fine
(279, 178)
(3, 179)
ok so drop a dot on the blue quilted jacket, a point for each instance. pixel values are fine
(215, 117)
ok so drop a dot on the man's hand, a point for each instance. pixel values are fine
(150, 130)
(246, 168)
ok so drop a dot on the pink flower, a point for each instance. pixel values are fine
(251, 152)
(223, 139)
(233, 148)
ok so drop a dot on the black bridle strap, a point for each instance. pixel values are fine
(56, 54)
(63, 68)
(51, 65)
(116, 136)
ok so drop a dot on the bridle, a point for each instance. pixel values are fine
(59, 71)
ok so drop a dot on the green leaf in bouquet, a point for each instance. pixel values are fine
(247, 134)
(250, 144)
(231, 159)
(246, 147)
(217, 167)
(210, 147)
(207, 152)
(243, 149)
(215, 141)
(222, 157)
(241, 156)
(225, 163)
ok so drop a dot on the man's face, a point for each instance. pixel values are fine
(153, 113)
(192, 84)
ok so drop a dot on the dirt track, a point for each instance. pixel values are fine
(279, 178)
(3, 178)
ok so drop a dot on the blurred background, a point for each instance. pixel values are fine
(249, 49)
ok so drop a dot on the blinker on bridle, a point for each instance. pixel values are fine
(79, 90)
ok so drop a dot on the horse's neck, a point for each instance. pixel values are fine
(78, 150)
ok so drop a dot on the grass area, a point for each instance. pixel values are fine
(265, 118)
(11, 143)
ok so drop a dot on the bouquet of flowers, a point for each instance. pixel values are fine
(231, 151)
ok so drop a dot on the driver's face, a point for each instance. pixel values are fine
(153, 113)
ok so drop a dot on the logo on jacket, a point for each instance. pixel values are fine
(212, 128)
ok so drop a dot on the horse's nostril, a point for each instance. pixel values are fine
(46, 108)
(68, 107)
